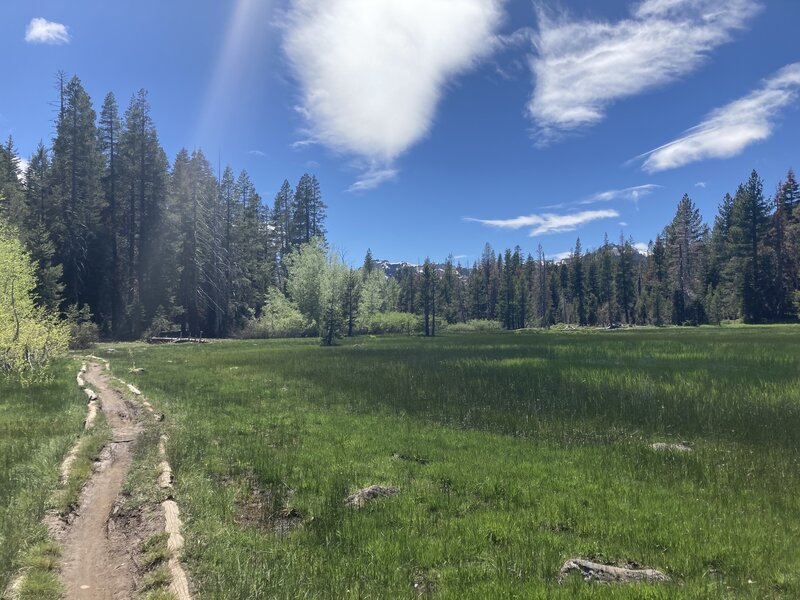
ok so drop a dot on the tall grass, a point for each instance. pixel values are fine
(38, 424)
(513, 452)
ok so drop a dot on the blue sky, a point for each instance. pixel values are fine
(435, 126)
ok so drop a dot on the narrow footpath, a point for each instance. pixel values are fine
(94, 567)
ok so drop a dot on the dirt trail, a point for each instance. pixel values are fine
(94, 566)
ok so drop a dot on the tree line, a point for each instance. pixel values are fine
(119, 236)
(117, 231)
(746, 266)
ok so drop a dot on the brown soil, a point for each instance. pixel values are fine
(100, 540)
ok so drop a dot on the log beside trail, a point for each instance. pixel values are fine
(175, 337)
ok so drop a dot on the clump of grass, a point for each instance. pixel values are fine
(40, 585)
(43, 556)
(155, 550)
(157, 578)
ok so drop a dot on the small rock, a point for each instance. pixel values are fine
(670, 447)
(362, 496)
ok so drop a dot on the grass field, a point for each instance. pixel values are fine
(38, 425)
(512, 452)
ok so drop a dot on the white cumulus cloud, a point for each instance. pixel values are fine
(372, 72)
(42, 31)
(548, 222)
(581, 67)
(728, 130)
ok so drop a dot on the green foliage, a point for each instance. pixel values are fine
(391, 322)
(475, 325)
(280, 318)
(332, 291)
(29, 336)
(306, 267)
(83, 331)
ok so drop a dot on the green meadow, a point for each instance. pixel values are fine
(38, 425)
(512, 453)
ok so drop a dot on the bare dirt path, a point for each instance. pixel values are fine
(96, 567)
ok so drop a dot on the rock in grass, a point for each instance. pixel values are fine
(670, 447)
(362, 496)
(592, 571)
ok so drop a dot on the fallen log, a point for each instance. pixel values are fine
(592, 571)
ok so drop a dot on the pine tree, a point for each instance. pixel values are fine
(428, 297)
(282, 227)
(625, 280)
(684, 247)
(749, 223)
(607, 287)
(109, 131)
(36, 231)
(369, 264)
(577, 283)
(77, 168)
(142, 197)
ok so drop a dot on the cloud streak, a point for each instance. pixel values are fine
(546, 223)
(630, 193)
(581, 67)
(372, 178)
(728, 130)
(42, 31)
(372, 73)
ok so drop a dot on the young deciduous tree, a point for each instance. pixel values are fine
(29, 335)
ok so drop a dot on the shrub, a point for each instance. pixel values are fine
(280, 318)
(390, 322)
(83, 332)
(475, 325)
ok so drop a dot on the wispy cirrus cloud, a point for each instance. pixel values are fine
(546, 223)
(259, 153)
(630, 193)
(728, 130)
(372, 73)
(581, 67)
(373, 177)
(42, 31)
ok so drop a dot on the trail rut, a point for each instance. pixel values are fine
(96, 567)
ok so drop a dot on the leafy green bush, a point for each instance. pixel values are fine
(474, 325)
(390, 322)
(83, 331)
(280, 318)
